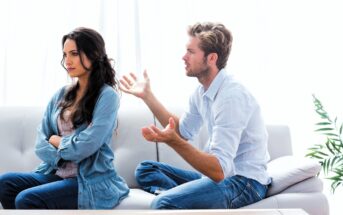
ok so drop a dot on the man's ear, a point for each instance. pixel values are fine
(212, 58)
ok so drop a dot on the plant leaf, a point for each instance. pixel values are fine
(323, 123)
(329, 154)
(331, 134)
(324, 129)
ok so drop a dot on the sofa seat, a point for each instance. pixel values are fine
(137, 199)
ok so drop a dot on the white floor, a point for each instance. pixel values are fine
(335, 199)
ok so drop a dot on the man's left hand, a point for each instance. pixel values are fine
(167, 135)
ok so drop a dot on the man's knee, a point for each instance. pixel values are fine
(163, 202)
(142, 169)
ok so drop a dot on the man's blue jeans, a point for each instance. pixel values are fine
(182, 189)
(34, 190)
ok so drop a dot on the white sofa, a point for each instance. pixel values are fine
(295, 184)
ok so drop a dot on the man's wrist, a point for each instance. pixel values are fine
(176, 142)
(149, 98)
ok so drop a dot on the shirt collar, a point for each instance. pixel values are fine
(213, 89)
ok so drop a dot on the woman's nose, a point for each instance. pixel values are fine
(67, 61)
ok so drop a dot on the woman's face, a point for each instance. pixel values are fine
(72, 60)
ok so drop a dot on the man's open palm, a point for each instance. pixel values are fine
(130, 84)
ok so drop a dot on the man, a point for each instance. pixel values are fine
(232, 166)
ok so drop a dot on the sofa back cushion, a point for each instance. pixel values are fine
(279, 144)
(18, 126)
(129, 146)
(18, 129)
(279, 141)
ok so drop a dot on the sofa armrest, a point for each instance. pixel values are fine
(310, 185)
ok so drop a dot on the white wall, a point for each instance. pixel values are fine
(283, 51)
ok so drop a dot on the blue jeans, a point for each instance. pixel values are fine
(182, 189)
(34, 190)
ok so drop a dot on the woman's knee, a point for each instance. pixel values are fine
(6, 182)
(28, 199)
(3, 185)
(25, 200)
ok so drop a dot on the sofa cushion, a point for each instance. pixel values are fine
(310, 185)
(18, 129)
(279, 141)
(289, 170)
(137, 199)
(130, 148)
(312, 203)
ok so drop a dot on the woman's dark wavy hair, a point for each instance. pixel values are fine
(101, 71)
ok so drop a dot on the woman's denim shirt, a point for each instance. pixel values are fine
(99, 186)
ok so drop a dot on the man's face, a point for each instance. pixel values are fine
(195, 60)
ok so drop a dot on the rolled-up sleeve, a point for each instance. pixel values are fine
(231, 117)
(43, 149)
(191, 121)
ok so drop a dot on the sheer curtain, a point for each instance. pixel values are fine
(31, 49)
(283, 51)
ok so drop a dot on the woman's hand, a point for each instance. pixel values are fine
(55, 140)
(139, 88)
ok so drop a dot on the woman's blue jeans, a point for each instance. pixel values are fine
(34, 190)
(183, 189)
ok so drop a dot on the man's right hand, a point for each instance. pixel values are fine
(140, 88)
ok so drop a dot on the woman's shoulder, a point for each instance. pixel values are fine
(107, 89)
(60, 93)
(108, 93)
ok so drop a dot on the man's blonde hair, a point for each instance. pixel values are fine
(214, 38)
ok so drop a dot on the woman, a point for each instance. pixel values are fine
(73, 140)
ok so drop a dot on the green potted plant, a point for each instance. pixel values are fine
(330, 152)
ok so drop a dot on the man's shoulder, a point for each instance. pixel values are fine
(233, 90)
(232, 87)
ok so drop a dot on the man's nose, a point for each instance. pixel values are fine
(184, 57)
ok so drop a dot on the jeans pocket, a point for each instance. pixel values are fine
(251, 193)
(256, 192)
